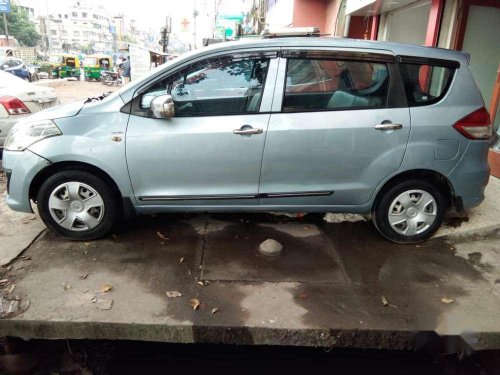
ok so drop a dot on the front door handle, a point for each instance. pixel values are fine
(388, 126)
(245, 130)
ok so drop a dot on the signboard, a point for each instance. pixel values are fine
(184, 25)
(4, 6)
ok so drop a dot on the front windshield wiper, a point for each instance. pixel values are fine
(97, 98)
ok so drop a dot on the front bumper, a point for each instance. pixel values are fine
(21, 167)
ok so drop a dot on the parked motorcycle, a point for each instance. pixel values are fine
(110, 78)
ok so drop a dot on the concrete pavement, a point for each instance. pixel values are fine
(334, 284)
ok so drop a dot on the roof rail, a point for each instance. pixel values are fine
(290, 31)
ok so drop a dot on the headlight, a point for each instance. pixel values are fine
(25, 133)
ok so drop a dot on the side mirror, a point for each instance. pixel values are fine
(6, 67)
(163, 106)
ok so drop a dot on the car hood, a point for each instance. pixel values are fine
(60, 111)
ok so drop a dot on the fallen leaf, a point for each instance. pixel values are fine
(181, 260)
(115, 237)
(162, 236)
(10, 289)
(303, 295)
(200, 283)
(83, 277)
(195, 303)
(4, 281)
(106, 288)
(25, 257)
(215, 310)
(447, 300)
(66, 286)
(386, 303)
(173, 294)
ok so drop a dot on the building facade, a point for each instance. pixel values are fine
(472, 26)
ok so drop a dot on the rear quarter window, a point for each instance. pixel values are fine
(425, 84)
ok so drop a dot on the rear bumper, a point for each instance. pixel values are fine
(21, 167)
(470, 176)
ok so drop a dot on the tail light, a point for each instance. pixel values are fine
(476, 125)
(13, 105)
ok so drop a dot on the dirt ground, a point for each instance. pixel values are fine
(77, 90)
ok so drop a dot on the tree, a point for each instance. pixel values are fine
(21, 27)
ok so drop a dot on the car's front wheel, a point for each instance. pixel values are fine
(409, 211)
(77, 204)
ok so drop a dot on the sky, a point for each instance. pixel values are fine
(152, 13)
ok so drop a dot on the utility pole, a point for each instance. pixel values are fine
(6, 28)
(195, 14)
(165, 34)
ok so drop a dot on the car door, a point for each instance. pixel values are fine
(339, 126)
(210, 152)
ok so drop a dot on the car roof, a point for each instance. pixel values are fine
(337, 42)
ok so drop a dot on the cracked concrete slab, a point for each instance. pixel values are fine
(17, 231)
(232, 254)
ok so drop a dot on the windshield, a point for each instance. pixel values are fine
(7, 79)
(56, 59)
(88, 61)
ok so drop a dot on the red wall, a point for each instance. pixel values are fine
(360, 27)
(308, 13)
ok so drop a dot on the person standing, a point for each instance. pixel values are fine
(126, 71)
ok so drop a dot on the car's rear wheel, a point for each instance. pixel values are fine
(409, 211)
(78, 205)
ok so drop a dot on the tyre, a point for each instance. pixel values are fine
(409, 211)
(77, 205)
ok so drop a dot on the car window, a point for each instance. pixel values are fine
(9, 63)
(328, 84)
(218, 86)
(425, 84)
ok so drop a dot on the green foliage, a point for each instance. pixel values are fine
(20, 26)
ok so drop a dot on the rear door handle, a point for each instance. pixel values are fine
(388, 126)
(247, 131)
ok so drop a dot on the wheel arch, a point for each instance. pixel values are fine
(123, 202)
(436, 178)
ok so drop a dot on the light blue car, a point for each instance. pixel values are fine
(292, 124)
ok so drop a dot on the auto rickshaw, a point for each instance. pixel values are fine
(94, 65)
(64, 65)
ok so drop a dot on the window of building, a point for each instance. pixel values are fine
(76, 33)
(53, 32)
(425, 84)
(328, 84)
(74, 14)
(84, 14)
(219, 86)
